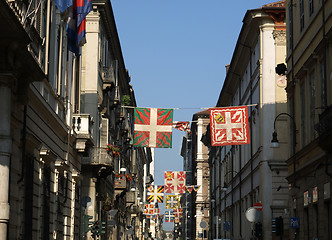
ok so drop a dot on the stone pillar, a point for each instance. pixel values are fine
(5, 151)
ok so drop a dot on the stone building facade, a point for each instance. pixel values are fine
(243, 175)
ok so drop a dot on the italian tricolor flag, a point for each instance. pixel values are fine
(153, 127)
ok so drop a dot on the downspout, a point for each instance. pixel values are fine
(24, 133)
(293, 89)
(250, 128)
(324, 56)
(232, 230)
(240, 166)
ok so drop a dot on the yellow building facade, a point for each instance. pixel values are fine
(309, 99)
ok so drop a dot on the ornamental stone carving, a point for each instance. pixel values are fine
(279, 36)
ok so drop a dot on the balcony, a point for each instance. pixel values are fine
(120, 183)
(324, 128)
(108, 76)
(82, 125)
(130, 197)
(98, 156)
(18, 37)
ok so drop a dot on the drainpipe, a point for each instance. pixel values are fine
(324, 55)
(240, 171)
(5, 152)
(293, 89)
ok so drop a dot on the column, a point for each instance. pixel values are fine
(5, 151)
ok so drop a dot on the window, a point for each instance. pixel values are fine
(311, 7)
(316, 222)
(322, 84)
(301, 15)
(290, 24)
(306, 223)
(327, 218)
(291, 132)
(312, 89)
(303, 114)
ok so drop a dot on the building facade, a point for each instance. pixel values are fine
(244, 175)
(58, 113)
(309, 98)
(196, 205)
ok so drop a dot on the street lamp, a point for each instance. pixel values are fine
(275, 142)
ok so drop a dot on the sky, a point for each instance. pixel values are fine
(176, 52)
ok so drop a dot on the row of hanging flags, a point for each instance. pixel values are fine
(174, 185)
(153, 126)
(75, 11)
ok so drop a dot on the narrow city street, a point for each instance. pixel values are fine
(173, 120)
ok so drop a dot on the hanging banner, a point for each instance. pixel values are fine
(153, 127)
(172, 201)
(229, 126)
(169, 217)
(175, 182)
(155, 193)
(148, 209)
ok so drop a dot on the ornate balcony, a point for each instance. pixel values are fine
(324, 128)
(82, 125)
(98, 156)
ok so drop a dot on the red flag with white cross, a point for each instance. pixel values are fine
(229, 126)
(175, 182)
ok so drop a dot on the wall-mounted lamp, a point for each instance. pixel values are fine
(123, 169)
(274, 141)
(224, 188)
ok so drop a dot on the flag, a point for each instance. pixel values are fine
(175, 182)
(63, 5)
(155, 194)
(172, 201)
(196, 188)
(83, 7)
(148, 209)
(154, 216)
(76, 28)
(169, 217)
(229, 126)
(156, 210)
(190, 188)
(72, 32)
(177, 212)
(182, 126)
(153, 127)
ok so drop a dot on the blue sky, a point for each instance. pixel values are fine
(176, 52)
